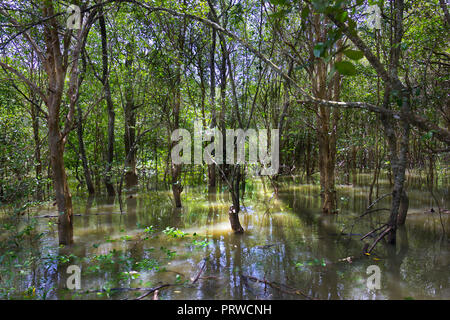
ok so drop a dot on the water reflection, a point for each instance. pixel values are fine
(287, 243)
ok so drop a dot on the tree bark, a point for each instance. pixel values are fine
(403, 209)
(327, 122)
(109, 104)
(212, 167)
(177, 187)
(87, 172)
(131, 178)
(37, 150)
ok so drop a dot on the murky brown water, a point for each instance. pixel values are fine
(287, 243)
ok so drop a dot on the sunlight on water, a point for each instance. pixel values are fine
(286, 241)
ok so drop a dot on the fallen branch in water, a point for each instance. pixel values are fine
(373, 231)
(369, 211)
(200, 272)
(381, 236)
(244, 281)
(208, 277)
(292, 291)
(380, 198)
(153, 290)
(115, 289)
(373, 210)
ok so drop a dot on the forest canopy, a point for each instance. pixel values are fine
(91, 93)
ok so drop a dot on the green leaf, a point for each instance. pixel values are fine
(427, 136)
(279, 14)
(345, 68)
(279, 2)
(305, 13)
(354, 54)
(352, 26)
(318, 50)
(343, 16)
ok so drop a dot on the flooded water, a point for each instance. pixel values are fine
(288, 245)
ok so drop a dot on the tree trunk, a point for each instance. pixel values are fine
(403, 209)
(398, 156)
(233, 213)
(327, 121)
(60, 185)
(212, 167)
(131, 178)
(87, 172)
(110, 106)
(177, 187)
(37, 151)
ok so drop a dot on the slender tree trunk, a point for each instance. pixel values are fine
(56, 73)
(399, 155)
(327, 122)
(87, 172)
(308, 158)
(131, 178)
(403, 209)
(37, 144)
(430, 177)
(233, 213)
(177, 187)
(37, 151)
(109, 104)
(62, 194)
(212, 167)
(56, 61)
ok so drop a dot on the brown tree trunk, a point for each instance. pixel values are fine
(56, 61)
(308, 158)
(87, 172)
(327, 122)
(233, 216)
(131, 178)
(354, 175)
(212, 167)
(233, 213)
(84, 161)
(109, 103)
(34, 109)
(234, 185)
(431, 171)
(403, 209)
(398, 155)
(62, 194)
(177, 187)
(37, 151)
